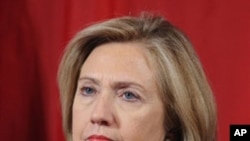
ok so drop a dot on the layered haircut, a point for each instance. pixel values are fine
(190, 113)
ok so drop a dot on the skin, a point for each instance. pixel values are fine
(117, 96)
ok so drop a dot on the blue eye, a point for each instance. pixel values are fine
(129, 96)
(88, 91)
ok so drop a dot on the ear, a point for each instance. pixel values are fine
(174, 134)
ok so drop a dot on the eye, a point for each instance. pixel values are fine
(129, 96)
(87, 91)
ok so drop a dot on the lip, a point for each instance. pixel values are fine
(98, 138)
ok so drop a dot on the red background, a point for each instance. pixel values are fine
(33, 34)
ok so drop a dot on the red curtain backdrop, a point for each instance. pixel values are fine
(33, 34)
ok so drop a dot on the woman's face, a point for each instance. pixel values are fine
(117, 97)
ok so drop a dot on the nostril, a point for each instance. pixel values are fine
(100, 122)
(103, 122)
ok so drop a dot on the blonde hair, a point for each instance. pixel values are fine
(190, 113)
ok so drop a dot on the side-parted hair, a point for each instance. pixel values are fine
(190, 112)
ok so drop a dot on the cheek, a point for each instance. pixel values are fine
(79, 121)
(143, 125)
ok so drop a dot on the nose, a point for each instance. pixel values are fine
(103, 111)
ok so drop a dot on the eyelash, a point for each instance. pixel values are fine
(135, 97)
(84, 89)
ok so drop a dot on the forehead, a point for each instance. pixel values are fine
(123, 59)
(124, 50)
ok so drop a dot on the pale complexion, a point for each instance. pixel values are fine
(117, 96)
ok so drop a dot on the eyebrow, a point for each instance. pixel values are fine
(116, 84)
(90, 79)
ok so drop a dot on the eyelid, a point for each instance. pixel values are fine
(135, 95)
(85, 83)
(83, 92)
